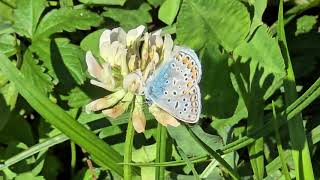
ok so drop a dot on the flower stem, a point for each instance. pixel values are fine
(161, 150)
(127, 169)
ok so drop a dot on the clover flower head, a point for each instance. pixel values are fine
(127, 60)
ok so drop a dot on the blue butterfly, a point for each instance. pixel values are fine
(174, 86)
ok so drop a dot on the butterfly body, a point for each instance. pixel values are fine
(174, 86)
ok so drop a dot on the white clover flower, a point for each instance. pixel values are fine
(128, 59)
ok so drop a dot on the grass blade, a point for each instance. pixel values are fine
(279, 144)
(300, 149)
(296, 107)
(61, 120)
(188, 162)
(215, 155)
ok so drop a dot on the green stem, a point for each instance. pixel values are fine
(127, 169)
(161, 150)
(215, 155)
(73, 157)
(300, 149)
(279, 144)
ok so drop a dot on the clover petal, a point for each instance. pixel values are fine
(138, 117)
(94, 67)
(105, 102)
(162, 116)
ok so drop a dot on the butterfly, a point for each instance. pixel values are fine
(174, 86)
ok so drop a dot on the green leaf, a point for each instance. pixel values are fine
(305, 24)
(6, 12)
(73, 59)
(77, 98)
(220, 98)
(64, 61)
(155, 3)
(89, 43)
(107, 2)
(169, 10)
(183, 138)
(269, 62)
(103, 153)
(66, 19)
(199, 22)
(28, 176)
(129, 19)
(7, 44)
(27, 15)
(145, 154)
(259, 8)
(34, 73)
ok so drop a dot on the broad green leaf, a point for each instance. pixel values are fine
(259, 8)
(199, 22)
(34, 73)
(90, 42)
(185, 141)
(11, 133)
(6, 12)
(269, 64)
(169, 10)
(220, 98)
(77, 98)
(107, 2)
(52, 166)
(66, 3)
(155, 3)
(7, 44)
(72, 57)
(6, 28)
(103, 153)
(305, 24)
(66, 19)
(64, 61)
(129, 19)
(27, 15)
(144, 154)
(28, 176)
(212, 141)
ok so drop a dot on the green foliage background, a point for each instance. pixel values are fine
(259, 91)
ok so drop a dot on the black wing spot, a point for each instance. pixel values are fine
(180, 112)
(173, 65)
(186, 104)
(166, 92)
(169, 100)
(176, 106)
(185, 109)
(174, 92)
(167, 81)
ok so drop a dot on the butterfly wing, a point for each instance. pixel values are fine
(174, 87)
